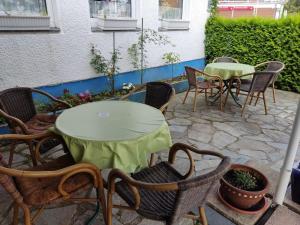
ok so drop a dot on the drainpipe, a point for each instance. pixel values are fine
(286, 169)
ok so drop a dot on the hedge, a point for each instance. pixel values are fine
(255, 40)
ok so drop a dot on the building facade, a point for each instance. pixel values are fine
(251, 8)
(48, 42)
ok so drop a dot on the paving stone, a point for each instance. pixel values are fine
(206, 164)
(222, 139)
(253, 153)
(200, 136)
(277, 135)
(180, 121)
(233, 130)
(244, 143)
(178, 131)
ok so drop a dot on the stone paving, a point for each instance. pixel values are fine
(255, 136)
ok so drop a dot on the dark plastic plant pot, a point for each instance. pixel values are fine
(295, 183)
(243, 199)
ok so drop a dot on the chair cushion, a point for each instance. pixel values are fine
(40, 191)
(154, 205)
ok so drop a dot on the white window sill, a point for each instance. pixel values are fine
(24, 23)
(112, 24)
(168, 24)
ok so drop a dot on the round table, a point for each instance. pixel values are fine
(228, 70)
(114, 134)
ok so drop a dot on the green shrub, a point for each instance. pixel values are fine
(256, 40)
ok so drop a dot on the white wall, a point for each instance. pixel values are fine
(36, 59)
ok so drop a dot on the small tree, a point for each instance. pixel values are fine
(106, 66)
(138, 51)
(171, 58)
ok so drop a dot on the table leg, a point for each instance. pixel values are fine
(228, 84)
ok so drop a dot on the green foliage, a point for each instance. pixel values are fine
(171, 58)
(292, 6)
(138, 51)
(244, 180)
(106, 66)
(256, 40)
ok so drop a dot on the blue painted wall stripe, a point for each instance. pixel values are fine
(101, 83)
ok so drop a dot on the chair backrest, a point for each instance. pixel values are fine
(193, 192)
(191, 75)
(158, 94)
(18, 102)
(274, 66)
(225, 59)
(261, 81)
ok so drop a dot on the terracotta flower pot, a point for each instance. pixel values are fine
(243, 199)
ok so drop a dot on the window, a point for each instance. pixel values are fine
(171, 9)
(110, 8)
(23, 8)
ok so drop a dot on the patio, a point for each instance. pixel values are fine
(256, 136)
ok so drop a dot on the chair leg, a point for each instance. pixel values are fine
(103, 203)
(251, 98)
(32, 153)
(27, 217)
(202, 216)
(109, 208)
(221, 100)
(243, 109)
(186, 96)
(273, 90)
(195, 100)
(265, 104)
(211, 92)
(11, 153)
(16, 215)
(257, 98)
(206, 101)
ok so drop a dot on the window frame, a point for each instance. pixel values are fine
(177, 24)
(32, 22)
(116, 23)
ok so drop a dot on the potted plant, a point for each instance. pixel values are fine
(243, 187)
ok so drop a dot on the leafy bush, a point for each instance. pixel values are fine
(242, 179)
(255, 40)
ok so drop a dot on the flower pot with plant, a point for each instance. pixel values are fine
(243, 187)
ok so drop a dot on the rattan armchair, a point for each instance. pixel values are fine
(158, 94)
(161, 192)
(225, 59)
(258, 86)
(271, 66)
(50, 184)
(18, 109)
(210, 82)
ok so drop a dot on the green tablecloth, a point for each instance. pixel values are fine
(114, 134)
(228, 70)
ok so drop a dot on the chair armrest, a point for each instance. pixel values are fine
(65, 173)
(261, 64)
(65, 104)
(164, 107)
(15, 121)
(188, 149)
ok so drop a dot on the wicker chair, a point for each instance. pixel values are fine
(271, 66)
(54, 184)
(259, 84)
(18, 109)
(158, 94)
(212, 81)
(161, 192)
(225, 59)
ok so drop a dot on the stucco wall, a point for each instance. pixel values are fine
(35, 59)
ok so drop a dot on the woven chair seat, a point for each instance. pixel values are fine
(154, 205)
(40, 191)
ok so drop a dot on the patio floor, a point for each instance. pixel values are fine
(256, 136)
